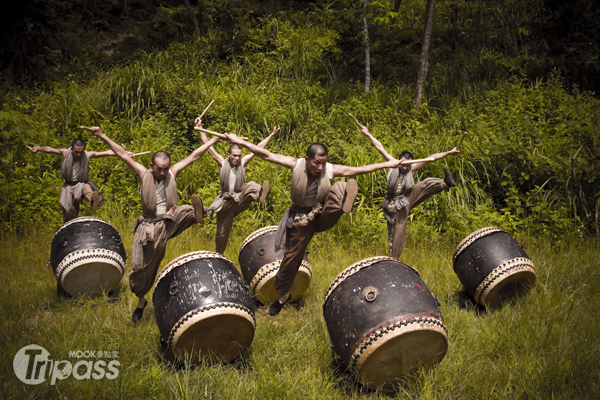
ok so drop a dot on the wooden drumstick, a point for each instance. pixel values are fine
(276, 122)
(143, 152)
(461, 140)
(406, 162)
(215, 133)
(30, 148)
(355, 120)
(206, 109)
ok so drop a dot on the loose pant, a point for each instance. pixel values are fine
(298, 237)
(86, 194)
(230, 209)
(397, 227)
(146, 258)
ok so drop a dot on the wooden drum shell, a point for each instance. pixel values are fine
(493, 267)
(87, 256)
(383, 321)
(203, 308)
(260, 263)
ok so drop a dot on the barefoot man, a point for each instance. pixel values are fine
(75, 171)
(236, 195)
(162, 219)
(316, 205)
(403, 195)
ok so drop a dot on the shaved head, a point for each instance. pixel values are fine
(78, 143)
(234, 147)
(316, 149)
(160, 155)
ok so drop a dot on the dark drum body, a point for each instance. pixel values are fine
(87, 256)
(260, 263)
(383, 321)
(203, 308)
(493, 267)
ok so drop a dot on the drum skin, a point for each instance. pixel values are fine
(493, 267)
(260, 263)
(87, 256)
(383, 321)
(203, 308)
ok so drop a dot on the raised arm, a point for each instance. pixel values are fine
(124, 155)
(107, 153)
(376, 143)
(213, 153)
(436, 156)
(246, 159)
(345, 170)
(279, 159)
(196, 154)
(47, 149)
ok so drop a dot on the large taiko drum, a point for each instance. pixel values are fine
(383, 321)
(203, 308)
(260, 263)
(493, 267)
(87, 256)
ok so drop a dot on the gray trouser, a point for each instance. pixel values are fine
(230, 209)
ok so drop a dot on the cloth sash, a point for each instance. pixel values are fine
(300, 183)
(148, 193)
(66, 168)
(394, 201)
(295, 213)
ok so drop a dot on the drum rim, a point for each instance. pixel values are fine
(257, 233)
(194, 255)
(83, 219)
(509, 268)
(268, 274)
(478, 234)
(72, 260)
(357, 266)
(195, 316)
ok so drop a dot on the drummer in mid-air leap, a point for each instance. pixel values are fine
(316, 205)
(162, 219)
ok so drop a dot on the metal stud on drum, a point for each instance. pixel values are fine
(203, 308)
(87, 256)
(383, 321)
(493, 267)
(260, 263)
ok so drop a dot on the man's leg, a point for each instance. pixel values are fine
(297, 239)
(224, 224)
(248, 194)
(424, 190)
(397, 232)
(341, 196)
(91, 196)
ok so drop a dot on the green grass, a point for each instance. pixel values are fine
(544, 346)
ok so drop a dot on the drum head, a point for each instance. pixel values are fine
(262, 286)
(91, 279)
(511, 288)
(400, 351)
(219, 334)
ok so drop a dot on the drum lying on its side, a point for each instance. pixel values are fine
(260, 263)
(493, 267)
(87, 256)
(203, 308)
(383, 321)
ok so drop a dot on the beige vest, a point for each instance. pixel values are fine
(66, 168)
(148, 193)
(240, 177)
(300, 183)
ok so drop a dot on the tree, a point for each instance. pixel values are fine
(192, 17)
(423, 63)
(367, 51)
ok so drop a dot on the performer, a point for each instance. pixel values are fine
(162, 219)
(316, 205)
(403, 195)
(236, 195)
(75, 172)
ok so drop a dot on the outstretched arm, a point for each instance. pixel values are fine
(124, 155)
(436, 156)
(279, 159)
(47, 149)
(107, 153)
(213, 153)
(246, 159)
(196, 154)
(376, 143)
(345, 170)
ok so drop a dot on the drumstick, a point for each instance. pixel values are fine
(461, 140)
(215, 133)
(206, 109)
(30, 148)
(275, 117)
(355, 120)
(406, 162)
(143, 152)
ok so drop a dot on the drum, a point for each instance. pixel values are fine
(87, 256)
(203, 308)
(383, 321)
(260, 263)
(493, 267)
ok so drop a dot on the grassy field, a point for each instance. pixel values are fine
(544, 346)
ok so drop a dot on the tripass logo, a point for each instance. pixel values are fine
(33, 365)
